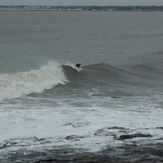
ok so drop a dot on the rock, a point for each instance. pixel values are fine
(123, 137)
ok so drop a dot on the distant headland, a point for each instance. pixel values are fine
(80, 8)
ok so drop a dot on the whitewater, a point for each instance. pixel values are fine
(34, 81)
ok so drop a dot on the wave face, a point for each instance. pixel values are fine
(102, 73)
(95, 74)
(108, 79)
(34, 81)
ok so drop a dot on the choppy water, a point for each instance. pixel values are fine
(46, 101)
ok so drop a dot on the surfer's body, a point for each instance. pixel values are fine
(75, 68)
(78, 65)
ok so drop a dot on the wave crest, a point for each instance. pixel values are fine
(34, 81)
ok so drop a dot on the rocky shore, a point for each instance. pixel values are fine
(129, 153)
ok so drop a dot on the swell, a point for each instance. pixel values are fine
(148, 70)
(104, 75)
(96, 74)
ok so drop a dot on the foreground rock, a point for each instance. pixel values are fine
(123, 154)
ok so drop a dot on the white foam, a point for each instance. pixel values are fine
(23, 120)
(34, 81)
(56, 122)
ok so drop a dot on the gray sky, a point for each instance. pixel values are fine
(81, 2)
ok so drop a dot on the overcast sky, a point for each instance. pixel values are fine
(81, 2)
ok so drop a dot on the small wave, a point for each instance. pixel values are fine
(34, 81)
(148, 69)
(94, 75)
(103, 76)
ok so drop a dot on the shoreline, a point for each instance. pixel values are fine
(81, 8)
(77, 11)
(128, 153)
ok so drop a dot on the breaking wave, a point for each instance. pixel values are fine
(100, 76)
(34, 81)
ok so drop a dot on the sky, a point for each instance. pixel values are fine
(81, 2)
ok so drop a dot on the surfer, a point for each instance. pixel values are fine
(78, 65)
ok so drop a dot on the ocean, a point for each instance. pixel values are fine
(112, 105)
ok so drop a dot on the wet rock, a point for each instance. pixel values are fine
(161, 128)
(110, 131)
(117, 127)
(72, 137)
(127, 153)
(123, 137)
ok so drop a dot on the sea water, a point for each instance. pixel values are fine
(45, 101)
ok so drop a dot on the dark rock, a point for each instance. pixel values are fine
(109, 131)
(127, 153)
(117, 127)
(160, 128)
(123, 137)
(72, 137)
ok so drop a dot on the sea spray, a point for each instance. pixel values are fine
(34, 81)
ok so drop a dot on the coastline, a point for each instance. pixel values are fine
(128, 153)
(80, 8)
